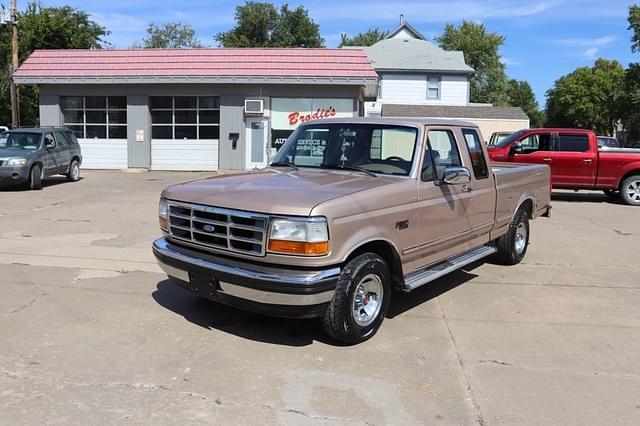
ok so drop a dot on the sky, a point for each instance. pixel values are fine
(545, 39)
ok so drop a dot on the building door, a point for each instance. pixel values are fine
(257, 154)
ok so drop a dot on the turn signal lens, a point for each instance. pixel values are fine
(299, 247)
(163, 214)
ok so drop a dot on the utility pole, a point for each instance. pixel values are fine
(15, 95)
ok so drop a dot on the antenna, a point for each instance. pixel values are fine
(401, 19)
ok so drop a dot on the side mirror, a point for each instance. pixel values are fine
(516, 148)
(456, 176)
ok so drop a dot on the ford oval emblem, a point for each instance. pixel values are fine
(208, 228)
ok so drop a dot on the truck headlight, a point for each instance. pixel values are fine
(305, 236)
(163, 214)
(17, 162)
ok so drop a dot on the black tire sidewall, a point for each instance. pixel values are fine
(623, 190)
(352, 274)
(35, 180)
(521, 217)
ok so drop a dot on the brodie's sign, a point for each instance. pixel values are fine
(298, 117)
(288, 113)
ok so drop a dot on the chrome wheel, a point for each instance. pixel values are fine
(633, 190)
(521, 237)
(75, 171)
(367, 300)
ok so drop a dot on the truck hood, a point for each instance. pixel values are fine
(273, 191)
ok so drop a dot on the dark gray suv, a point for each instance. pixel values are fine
(27, 156)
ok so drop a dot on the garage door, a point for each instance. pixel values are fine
(100, 124)
(185, 131)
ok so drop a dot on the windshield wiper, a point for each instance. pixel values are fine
(281, 164)
(352, 168)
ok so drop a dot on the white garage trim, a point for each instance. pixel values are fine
(104, 153)
(167, 154)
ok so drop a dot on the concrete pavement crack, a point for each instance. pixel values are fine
(492, 361)
(470, 393)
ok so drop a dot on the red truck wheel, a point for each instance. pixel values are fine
(630, 190)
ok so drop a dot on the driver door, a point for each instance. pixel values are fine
(443, 228)
(50, 153)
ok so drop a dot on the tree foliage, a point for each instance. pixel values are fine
(480, 48)
(634, 26)
(262, 25)
(43, 27)
(520, 94)
(367, 38)
(589, 97)
(172, 35)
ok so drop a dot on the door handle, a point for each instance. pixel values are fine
(547, 159)
(466, 188)
(587, 161)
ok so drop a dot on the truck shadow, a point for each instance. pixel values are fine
(47, 182)
(585, 197)
(283, 331)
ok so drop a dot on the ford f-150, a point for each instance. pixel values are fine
(348, 211)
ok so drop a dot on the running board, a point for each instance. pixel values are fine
(425, 276)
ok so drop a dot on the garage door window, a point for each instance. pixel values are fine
(100, 117)
(185, 117)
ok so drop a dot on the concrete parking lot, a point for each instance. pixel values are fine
(91, 332)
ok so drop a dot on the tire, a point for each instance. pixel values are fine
(73, 175)
(612, 193)
(35, 178)
(512, 246)
(347, 318)
(630, 190)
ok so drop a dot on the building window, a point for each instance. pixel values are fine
(185, 117)
(433, 88)
(99, 117)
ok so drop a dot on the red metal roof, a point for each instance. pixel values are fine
(213, 62)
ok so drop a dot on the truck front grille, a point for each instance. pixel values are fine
(218, 228)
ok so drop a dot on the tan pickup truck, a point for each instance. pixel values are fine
(349, 211)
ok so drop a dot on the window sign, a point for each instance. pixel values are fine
(289, 113)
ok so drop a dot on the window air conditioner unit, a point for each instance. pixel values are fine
(253, 106)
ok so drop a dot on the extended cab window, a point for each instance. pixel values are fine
(444, 151)
(479, 163)
(573, 143)
(377, 148)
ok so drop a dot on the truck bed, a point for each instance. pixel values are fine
(517, 182)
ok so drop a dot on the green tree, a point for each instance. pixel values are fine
(43, 27)
(480, 48)
(367, 38)
(262, 25)
(634, 25)
(589, 97)
(172, 35)
(521, 95)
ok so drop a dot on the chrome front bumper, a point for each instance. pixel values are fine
(281, 291)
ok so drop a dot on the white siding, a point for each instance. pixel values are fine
(104, 153)
(455, 90)
(412, 89)
(404, 88)
(403, 33)
(184, 154)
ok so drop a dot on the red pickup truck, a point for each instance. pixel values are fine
(576, 161)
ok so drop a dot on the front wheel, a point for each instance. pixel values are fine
(361, 300)
(630, 190)
(36, 177)
(74, 171)
(512, 246)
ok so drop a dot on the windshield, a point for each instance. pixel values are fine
(377, 148)
(20, 140)
(507, 140)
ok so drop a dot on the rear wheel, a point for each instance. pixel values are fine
(36, 177)
(630, 190)
(360, 301)
(73, 175)
(512, 246)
